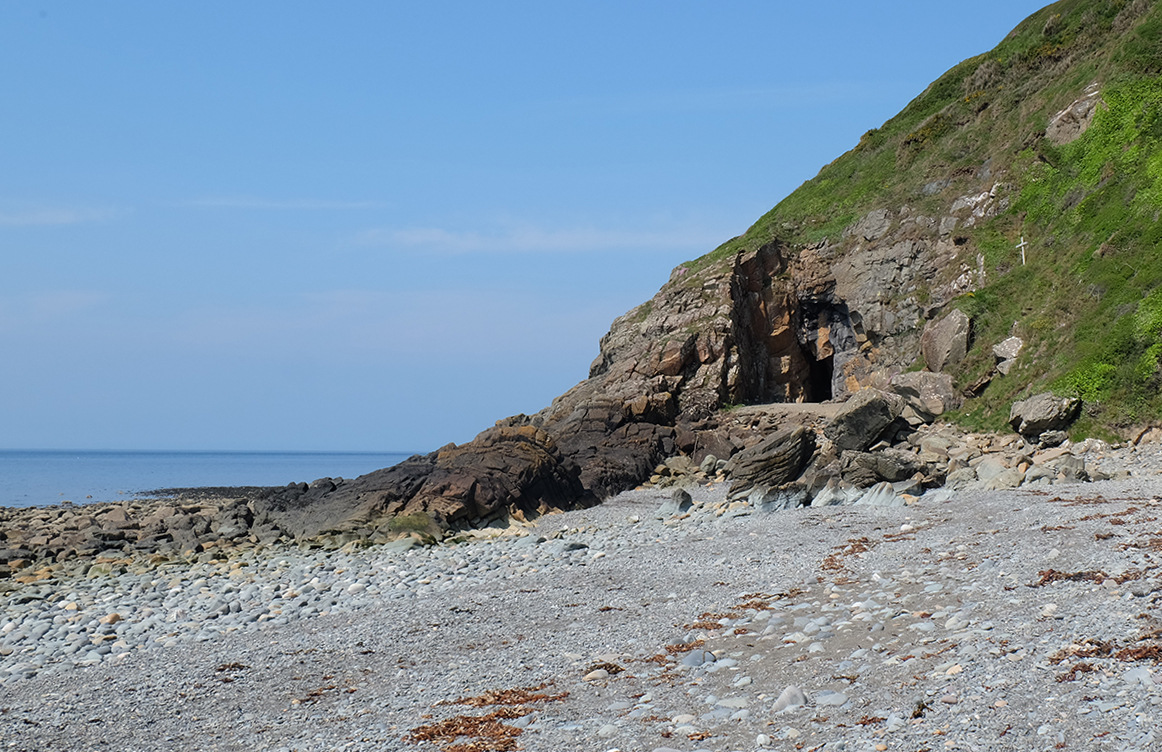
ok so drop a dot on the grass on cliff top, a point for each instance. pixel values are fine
(971, 116)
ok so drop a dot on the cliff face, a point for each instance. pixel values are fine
(917, 235)
(774, 324)
(1055, 135)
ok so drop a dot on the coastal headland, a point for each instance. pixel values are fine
(879, 473)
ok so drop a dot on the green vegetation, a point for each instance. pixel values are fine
(411, 523)
(1088, 300)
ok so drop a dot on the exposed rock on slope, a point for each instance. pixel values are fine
(514, 470)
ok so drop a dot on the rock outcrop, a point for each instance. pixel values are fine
(1043, 412)
(945, 342)
(510, 469)
(1068, 125)
(776, 460)
(863, 418)
(928, 395)
(1006, 353)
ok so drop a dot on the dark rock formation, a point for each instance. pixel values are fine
(513, 469)
(778, 459)
(863, 419)
(864, 469)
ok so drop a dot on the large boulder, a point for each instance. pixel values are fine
(1006, 353)
(863, 469)
(863, 418)
(1043, 412)
(777, 459)
(930, 395)
(945, 342)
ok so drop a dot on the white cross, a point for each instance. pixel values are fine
(1022, 245)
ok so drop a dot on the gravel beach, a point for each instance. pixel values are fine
(988, 620)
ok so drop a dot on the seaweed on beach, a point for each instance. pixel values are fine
(518, 696)
(1090, 647)
(833, 562)
(1049, 576)
(488, 732)
(1081, 667)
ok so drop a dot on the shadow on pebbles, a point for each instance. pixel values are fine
(1005, 620)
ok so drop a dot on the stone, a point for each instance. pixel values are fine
(1068, 125)
(1139, 676)
(698, 658)
(835, 493)
(831, 699)
(1006, 353)
(1038, 473)
(680, 465)
(733, 702)
(881, 495)
(929, 394)
(864, 469)
(1071, 467)
(790, 697)
(990, 466)
(596, 675)
(774, 461)
(1009, 478)
(874, 225)
(708, 465)
(399, 546)
(863, 418)
(946, 342)
(679, 502)
(1008, 349)
(1043, 412)
(790, 496)
(960, 479)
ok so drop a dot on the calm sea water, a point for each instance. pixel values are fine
(38, 478)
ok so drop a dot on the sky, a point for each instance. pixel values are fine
(383, 226)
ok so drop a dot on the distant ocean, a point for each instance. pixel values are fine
(39, 478)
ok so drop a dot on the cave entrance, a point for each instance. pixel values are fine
(819, 386)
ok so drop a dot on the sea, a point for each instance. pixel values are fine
(31, 478)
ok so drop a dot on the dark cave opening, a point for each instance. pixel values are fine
(819, 386)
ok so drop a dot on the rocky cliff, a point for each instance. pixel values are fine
(909, 252)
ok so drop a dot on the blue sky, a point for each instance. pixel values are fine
(383, 226)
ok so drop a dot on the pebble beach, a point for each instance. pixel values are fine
(982, 620)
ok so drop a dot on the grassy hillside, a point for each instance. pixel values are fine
(1088, 302)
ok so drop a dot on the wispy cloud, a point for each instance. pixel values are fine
(30, 313)
(32, 216)
(530, 239)
(254, 202)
